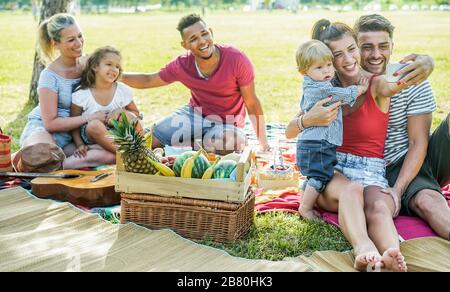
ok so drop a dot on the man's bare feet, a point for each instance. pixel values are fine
(309, 214)
(393, 260)
(367, 261)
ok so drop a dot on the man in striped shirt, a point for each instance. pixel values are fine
(417, 165)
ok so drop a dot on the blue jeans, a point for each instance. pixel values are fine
(185, 125)
(316, 160)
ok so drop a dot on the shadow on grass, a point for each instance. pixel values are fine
(14, 128)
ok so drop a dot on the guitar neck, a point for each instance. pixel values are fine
(35, 174)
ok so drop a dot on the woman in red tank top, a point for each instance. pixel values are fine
(361, 164)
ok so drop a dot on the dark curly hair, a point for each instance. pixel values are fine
(88, 74)
(187, 21)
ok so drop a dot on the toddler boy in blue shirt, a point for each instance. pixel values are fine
(316, 146)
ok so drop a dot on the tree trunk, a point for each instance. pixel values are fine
(48, 8)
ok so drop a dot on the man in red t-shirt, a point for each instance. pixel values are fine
(221, 81)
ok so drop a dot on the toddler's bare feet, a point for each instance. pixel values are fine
(309, 214)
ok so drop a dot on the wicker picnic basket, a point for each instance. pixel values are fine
(191, 218)
(5, 152)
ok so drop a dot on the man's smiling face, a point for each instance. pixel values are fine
(198, 39)
(376, 49)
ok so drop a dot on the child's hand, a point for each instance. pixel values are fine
(363, 81)
(114, 115)
(363, 84)
(81, 151)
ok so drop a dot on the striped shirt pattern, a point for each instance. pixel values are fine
(415, 100)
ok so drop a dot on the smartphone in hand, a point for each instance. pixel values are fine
(391, 69)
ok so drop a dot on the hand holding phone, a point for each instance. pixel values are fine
(391, 69)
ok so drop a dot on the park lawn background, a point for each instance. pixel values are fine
(148, 41)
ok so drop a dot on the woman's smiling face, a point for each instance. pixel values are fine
(346, 56)
(71, 42)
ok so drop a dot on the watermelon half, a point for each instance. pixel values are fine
(224, 168)
(200, 166)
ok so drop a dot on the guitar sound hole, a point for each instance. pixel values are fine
(74, 176)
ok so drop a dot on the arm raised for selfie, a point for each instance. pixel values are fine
(381, 88)
(417, 71)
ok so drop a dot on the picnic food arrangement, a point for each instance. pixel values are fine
(138, 157)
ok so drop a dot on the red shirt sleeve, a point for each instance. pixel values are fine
(171, 71)
(245, 74)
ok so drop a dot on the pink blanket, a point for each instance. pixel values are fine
(289, 200)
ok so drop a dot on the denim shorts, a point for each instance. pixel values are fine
(34, 125)
(84, 135)
(185, 125)
(316, 160)
(366, 170)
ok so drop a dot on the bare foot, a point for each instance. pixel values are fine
(393, 260)
(367, 261)
(309, 214)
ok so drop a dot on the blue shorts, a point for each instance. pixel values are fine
(84, 135)
(34, 125)
(366, 170)
(185, 125)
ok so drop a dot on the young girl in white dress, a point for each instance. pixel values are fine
(99, 90)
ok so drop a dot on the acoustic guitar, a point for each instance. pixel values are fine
(86, 188)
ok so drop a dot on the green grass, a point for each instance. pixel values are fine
(149, 41)
(275, 236)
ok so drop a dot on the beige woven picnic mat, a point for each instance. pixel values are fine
(43, 235)
(431, 254)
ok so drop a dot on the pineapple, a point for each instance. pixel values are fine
(132, 146)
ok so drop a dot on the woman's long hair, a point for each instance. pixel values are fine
(88, 74)
(50, 30)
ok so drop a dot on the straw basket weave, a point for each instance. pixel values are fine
(191, 218)
(5, 152)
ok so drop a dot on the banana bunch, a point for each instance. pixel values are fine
(186, 170)
(148, 137)
(163, 169)
(210, 171)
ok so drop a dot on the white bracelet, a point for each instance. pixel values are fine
(299, 123)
